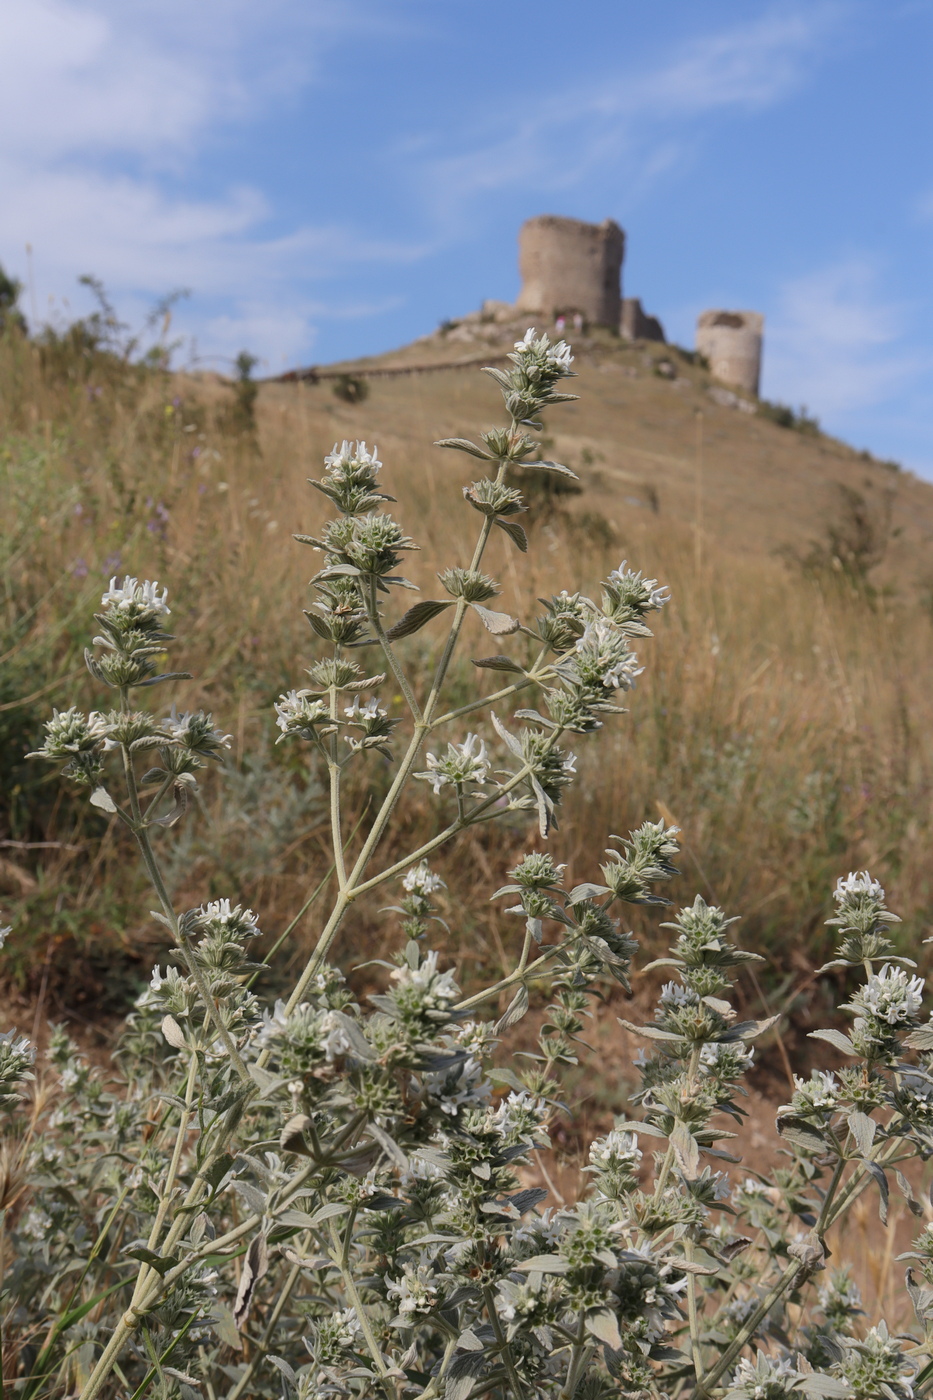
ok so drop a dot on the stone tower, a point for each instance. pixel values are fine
(568, 266)
(731, 341)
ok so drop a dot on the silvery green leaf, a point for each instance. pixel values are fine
(826, 1387)
(543, 1264)
(686, 1150)
(328, 1211)
(291, 1138)
(399, 582)
(468, 1341)
(254, 1267)
(921, 1038)
(907, 1192)
(464, 445)
(602, 1324)
(515, 533)
(498, 623)
(389, 1146)
(586, 891)
(417, 616)
(284, 1367)
(508, 739)
(173, 1033)
(749, 1030)
(837, 1039)
(499, 663)
(101, 799)
(500, 1075)
(538, 718)
(863, 1131)
(882, 1182)
(799, 1133)
(499, 375)
(553, 466)
(254, 1198)
(651, 1032)
(160, 1263)
(514, 1011)
(168, 676)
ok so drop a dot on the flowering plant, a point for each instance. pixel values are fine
(331, 1197)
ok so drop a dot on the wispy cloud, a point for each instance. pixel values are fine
(631, 118)
(837, 342)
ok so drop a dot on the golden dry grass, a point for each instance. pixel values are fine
(782, 721)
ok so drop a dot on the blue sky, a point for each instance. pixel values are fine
(332, 179)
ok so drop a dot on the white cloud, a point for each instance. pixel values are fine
(554, 142)
(837, 344)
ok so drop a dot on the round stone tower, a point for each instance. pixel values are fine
(568, 266)
(731, 341)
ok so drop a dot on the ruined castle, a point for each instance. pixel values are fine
(572, 271)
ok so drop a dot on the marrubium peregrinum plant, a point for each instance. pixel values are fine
(323, 1198)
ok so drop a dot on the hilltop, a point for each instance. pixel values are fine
(653, 432)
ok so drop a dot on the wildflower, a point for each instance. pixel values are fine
(616, 1149)
(196, 733)
(4, 934)
(424, 985)
(69, 733)
(464, 763)
(416, 1290)
(421, 880)
(299, 714)
(892, 995)
(603, 657)
(765, 1379)
(218, 917)
(820, 1092)
(136, 601)
(537, 351)
(352, 464)
(856, 884)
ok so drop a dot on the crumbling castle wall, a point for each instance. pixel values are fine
(731, 341)
(569, 266)
(636, 324)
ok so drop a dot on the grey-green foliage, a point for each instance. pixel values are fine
(334, 1196)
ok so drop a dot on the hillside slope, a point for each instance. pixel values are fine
(639, 439)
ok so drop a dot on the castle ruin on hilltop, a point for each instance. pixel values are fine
(572, 272)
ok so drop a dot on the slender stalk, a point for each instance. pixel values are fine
(692, 1315)
(395, 666)
(261, 1349)
(158, 884)
(333, 773)
(505, 1351)
(341, 1259)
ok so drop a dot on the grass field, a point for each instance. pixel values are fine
(783, 720)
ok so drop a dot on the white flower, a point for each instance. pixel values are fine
(616, 1149)
(336, 1042)
(463, 763)
(857, 883)
(422, 880)
(558, 355)
(5, 933)
(892, 995)
(357, 713)
(349, 458)
(439, 989)
(820, 1090)
(454, 1090)
(646, 591)
(674, 995)
(298, 713)
(416, 1291)
(132, 594)
(239, 921)
(605, 650)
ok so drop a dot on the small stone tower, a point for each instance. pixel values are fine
(568, 266)
(731, 341)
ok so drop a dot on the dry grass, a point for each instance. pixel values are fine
(784, 723)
